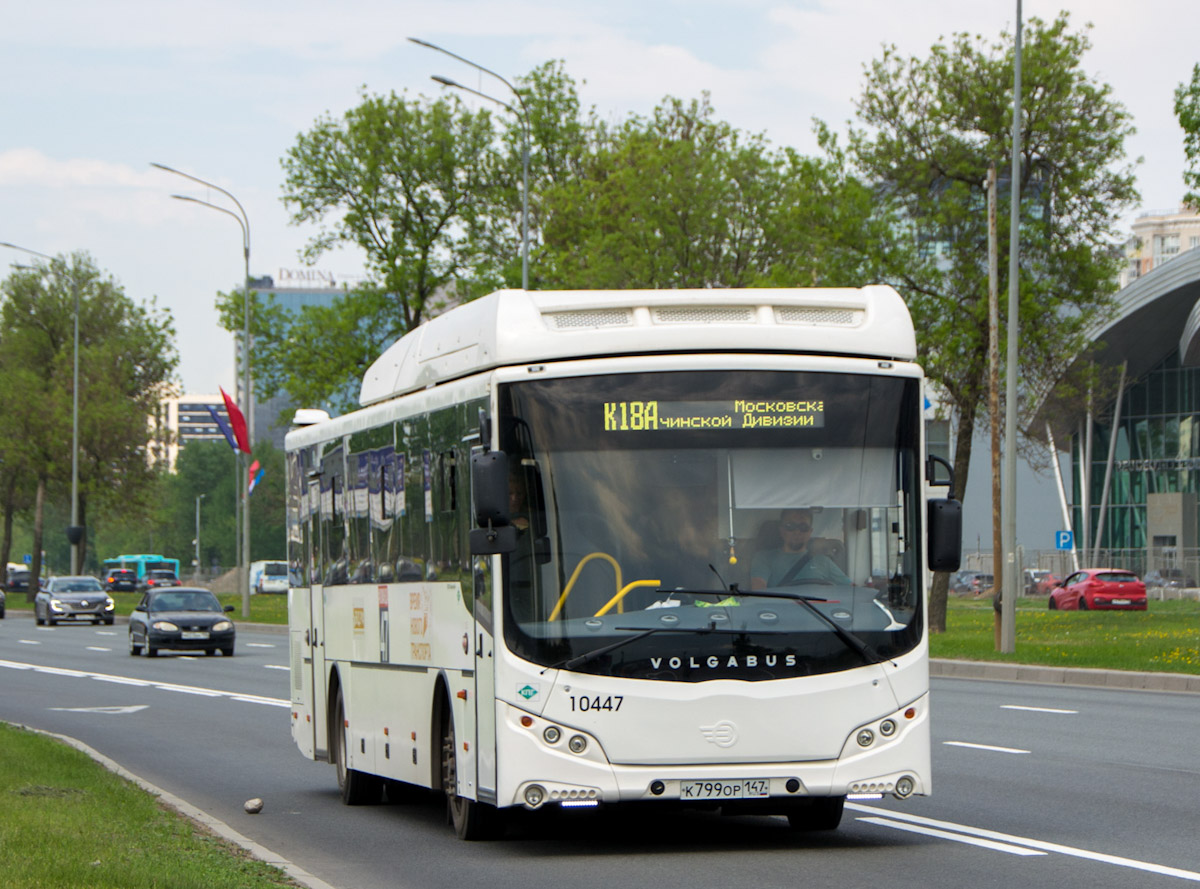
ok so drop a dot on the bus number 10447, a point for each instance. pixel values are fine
(608, 702)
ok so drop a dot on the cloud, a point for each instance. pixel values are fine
(28, 167)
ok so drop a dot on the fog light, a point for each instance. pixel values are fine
(793, 786)
(551, 734)
(577, 744)
(866, 738)
(657, 788)
(905, 786)
(887, 728)
(535, 795)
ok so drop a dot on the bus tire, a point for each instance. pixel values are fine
(819, 813)
(472, 820)
(357, 788)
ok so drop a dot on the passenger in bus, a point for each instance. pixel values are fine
(793, 562)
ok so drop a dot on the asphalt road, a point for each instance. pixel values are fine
(1033, 786)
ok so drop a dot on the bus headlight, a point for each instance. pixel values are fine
(577, 744)
(552, 734)
(534, 796)
(865, 738)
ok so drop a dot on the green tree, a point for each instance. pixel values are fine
(1187, 109)
(126, 355)
(682, 199)
(406, 182)
(931, 127)
(431, 193)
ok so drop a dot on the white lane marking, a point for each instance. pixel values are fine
(97, 648)
(260, 645)
(1036, 709)
(105, 633)
(256, 699)
(956, 837)
(149, 683)
(123, 680)
(275, 667)
(113, 711)
(1071, 851)
(29, 642)
(988, 747)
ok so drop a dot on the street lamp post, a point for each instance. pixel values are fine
(196, 572)
(247, 408)
(523, 117)
(74, 532)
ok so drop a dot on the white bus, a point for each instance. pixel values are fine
(524, 571)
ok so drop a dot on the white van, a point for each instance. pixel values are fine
(268, 577)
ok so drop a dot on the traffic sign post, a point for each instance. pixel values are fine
(1064, 540)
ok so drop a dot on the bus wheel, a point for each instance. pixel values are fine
(358, 788)
(819, 813)
(472, 820)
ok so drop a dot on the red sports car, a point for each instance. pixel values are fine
(1100, 589)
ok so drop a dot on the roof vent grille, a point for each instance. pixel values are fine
(704, 315)
(590, 319)
(825, 316)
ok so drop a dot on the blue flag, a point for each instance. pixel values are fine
(228, 433)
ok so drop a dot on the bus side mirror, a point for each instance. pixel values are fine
(489, 494)
(489, 488)
(944, 527)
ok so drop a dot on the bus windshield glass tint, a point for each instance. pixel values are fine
(669, 523)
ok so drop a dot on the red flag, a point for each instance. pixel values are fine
(238, 422)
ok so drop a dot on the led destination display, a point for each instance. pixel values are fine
(661, 416)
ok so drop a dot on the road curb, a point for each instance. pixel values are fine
(217, 826)
(1075, 676)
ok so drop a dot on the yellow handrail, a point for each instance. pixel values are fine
(632, 585)
(575, 576)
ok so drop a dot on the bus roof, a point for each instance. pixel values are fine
(513, 327)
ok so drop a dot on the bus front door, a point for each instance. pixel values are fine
(320, 676)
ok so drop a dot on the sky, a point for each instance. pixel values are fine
(92, 93)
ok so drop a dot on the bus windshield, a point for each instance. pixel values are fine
(713, 525)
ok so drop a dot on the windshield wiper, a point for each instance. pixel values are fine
(580, 659)
(853, 642)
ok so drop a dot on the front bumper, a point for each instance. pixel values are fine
(898, 764)
(174, 640)
(78, 612)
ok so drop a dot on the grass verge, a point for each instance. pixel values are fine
(67, 822)
(265, 609)
(1163, 639)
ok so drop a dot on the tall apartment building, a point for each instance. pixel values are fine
(182, 419)
(1159, 236)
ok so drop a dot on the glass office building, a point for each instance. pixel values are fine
(1146, 517)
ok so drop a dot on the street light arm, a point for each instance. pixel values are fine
(236, 218)
(523, 117)
(244, 220)
(478, 67)
(27, 250)
(520, 115)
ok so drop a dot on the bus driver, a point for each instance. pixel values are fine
(792, 562)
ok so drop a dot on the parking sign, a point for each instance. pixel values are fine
(1064, 539)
